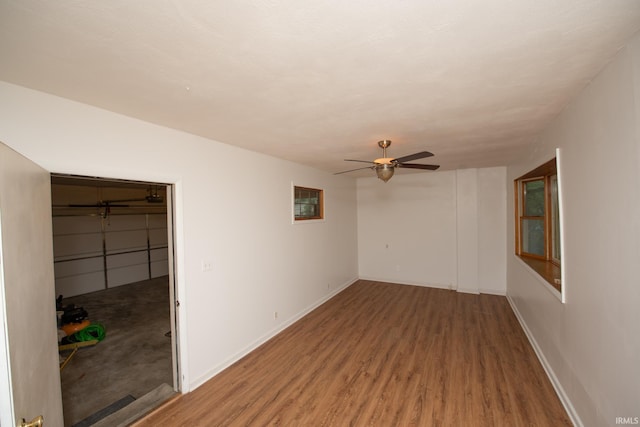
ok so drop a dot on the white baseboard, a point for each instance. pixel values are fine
(472, 291)
(451, 287)
(266, 337)
(562, 395)
(412, 283)
(499, 292)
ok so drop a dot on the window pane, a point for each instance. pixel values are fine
(555, 219)
(308, 210)
(534, 198)
(533, 236)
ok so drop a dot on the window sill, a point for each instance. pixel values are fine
(307, 221)
(550, 272)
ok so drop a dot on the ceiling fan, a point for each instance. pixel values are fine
(385, 166)
(152, 197)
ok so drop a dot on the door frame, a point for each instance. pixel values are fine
(173, 291)
(171, 260)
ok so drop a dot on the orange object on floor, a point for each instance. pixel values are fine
(72, 328)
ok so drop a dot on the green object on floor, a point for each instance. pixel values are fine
(94, 331)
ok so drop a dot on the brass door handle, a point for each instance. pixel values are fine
(36, 422)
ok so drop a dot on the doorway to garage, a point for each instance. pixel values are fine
(114, 284)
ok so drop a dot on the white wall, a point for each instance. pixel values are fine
(441, 229)
(233, 210)
(591, 344)
(492, 233)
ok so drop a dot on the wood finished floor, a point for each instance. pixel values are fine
(380, 354)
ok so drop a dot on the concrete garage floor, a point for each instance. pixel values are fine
(133, 359)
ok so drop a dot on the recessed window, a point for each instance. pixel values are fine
(538, 221)
(532, 220)
(307, 203)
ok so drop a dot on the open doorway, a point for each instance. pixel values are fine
(113, 271)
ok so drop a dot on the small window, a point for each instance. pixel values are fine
(532, 221)
(538, 221)
(307, 203)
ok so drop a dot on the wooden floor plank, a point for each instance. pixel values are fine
(383, 354)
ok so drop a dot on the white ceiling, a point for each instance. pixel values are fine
(316, 82)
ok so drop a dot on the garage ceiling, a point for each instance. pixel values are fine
(318, 82)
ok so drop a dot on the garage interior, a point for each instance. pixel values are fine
(111, 262)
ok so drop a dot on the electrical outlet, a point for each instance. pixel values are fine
(275, 314)
(207, 266)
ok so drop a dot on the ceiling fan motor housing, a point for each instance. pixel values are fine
(385, 171)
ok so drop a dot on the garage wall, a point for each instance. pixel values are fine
(106, 233)
(93, 253)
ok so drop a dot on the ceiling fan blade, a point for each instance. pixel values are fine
(122, 200)
(97, 205)
(361, 161)
(352, 170)
(418, 166)
(153, 198)
(416, 156)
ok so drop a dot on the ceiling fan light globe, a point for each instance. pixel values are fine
(385, 172)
